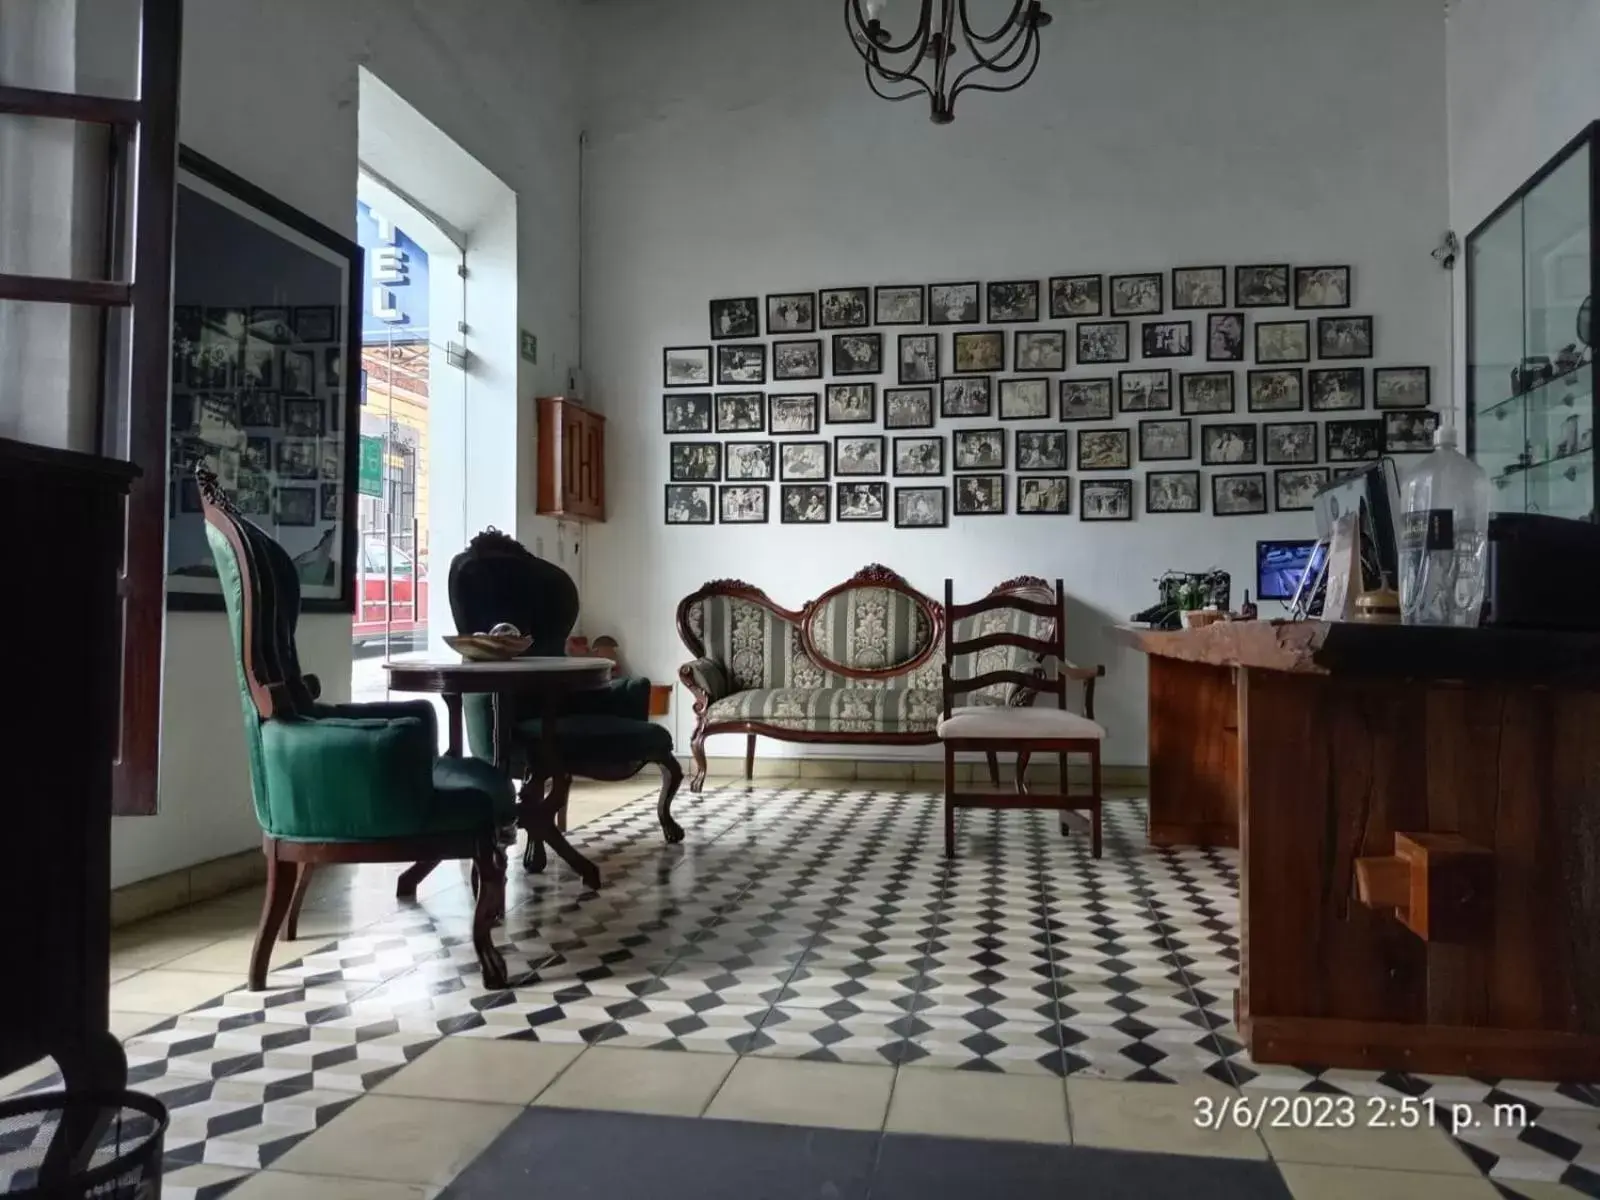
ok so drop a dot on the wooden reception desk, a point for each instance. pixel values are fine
(1418, 816)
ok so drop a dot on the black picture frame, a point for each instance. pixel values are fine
(953, 303)
(908, 408)
(1221, 435)
(1160, 386)
(735, 317)
(687, 493)
(994, 439)
(1314, 285)
(918, 358)
(847, 360)
(1042, 449)
(1225, 337)
(796, 359)
(742, 364)
(740, 412)
(727, 492)
(1039, 350)
(1091, 509)
(303, 417)
(1086, 399)
(1207, 393)
(787, 403)
(1016, 390)
(992, 343)
(839, 393)
(1388, 383)
(1330, 389)
(299, 372)
(1103, 342)
(1149, 428)
(1222, 479)
(798, 503)
(958, 397)
(1196, 288)
(879, 445)
(791, 312)
(900, 310)
(761, 450)
(682, 372)
(1331, 331)
(1401, 437)
(1274, 456)
(1275, 389)
(1094, 445)
(967, 491)
(1261, 285)
(1160, 499)
(1267, 354)
(845, 490)
(1012, 301)
(938, 496)
(844, 308)
(819, 451)
(1316, 477)
(1140, 294)
(1075, 296)
(250, 270)
(905, 470)
(1167, 339)
(694, 462)
(1360, 440)
(1044, 496)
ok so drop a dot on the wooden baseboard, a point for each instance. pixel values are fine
(188, 885)
(1425, 1049)
(883, 771)
(1174, 834)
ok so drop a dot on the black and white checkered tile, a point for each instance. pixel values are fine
(814, 923)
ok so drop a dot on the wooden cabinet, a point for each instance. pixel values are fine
(572, 461)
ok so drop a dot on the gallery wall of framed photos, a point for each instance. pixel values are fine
(1227, 390)
(265, 383)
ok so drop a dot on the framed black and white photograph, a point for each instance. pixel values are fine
(1042, 450)
(742, 364)
(1074, 296)
(739, 317)
(1144, 391)
(921, 507)
(792, 312)
(314, 323)
(297, 506)
(298, 458)
(1172, 492)
(686, 366)
(899, 305)
(1105, 450)
(919, 358)
(1283, 341)
(1321, 287)
(1261, 286)
(258, 368)
(919, 455)
(952, 304)
(1012, 301)
(1166, 439)
(302, 418)
(1344, 337)
(1085, 400)
(299, 373)
(850, 403)
(1105, 500)
(691, 504)
(1225, 337)
(1276, 390)
(257, 410)
(1199, 287)
(1024, 399)
(803, 503)
(797, 359)
(980, 495)
(908, 408)
(979, 352)
(1044, 495)
(686, 412)
(862, 501)
(1039, 350)
(1102, 342)
(792, 413)
(803, 461)
(853, 455)
(740, 412)
(978, 449)
(695, 462)
(748, 462)
(1136, 295)
(1335, 389)
(1168, 339)
(1410, 431)
(858, 354)
(1241, 494)
(844, 308)
(742, 504)
(1205, 393)
(1289, 443)
(1295, 488)
(972, 397)
(1353, 441)
(1228, 445)
(1400, 387)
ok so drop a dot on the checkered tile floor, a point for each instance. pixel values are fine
(796, 922)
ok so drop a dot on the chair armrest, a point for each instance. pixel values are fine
(706, 679)
(348, 778)
(313, 686)
(1085, 676)
(381, 710)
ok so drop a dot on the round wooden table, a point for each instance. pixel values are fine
(549, 681)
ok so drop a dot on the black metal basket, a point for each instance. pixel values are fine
(84, 1146)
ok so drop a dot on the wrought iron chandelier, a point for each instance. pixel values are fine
(1003, 60)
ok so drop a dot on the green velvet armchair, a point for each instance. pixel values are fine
(604, 734)
(341, 782)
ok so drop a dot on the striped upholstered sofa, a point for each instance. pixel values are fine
(860, 664)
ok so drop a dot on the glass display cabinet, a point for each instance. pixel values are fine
(1531, 276)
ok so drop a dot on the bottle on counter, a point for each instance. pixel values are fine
(1444, 528)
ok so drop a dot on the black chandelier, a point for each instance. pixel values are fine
(1003, 60)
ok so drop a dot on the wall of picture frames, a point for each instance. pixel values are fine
(1220, 390)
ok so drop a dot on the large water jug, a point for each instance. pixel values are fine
(1444, 528)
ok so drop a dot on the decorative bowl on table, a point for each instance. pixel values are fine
(499, 644)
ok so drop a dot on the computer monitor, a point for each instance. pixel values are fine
(1280, 565)
(1374, 492)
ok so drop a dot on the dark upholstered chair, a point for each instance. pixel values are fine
(606, 734)
(341, 782)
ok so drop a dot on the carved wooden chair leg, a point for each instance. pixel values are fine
(1066, 823)
(488, 865)
(671, 777)
(994, 766)
(291, 926)
(281, 876)
(1094, 781)
(697, 749)
(528, 802)
(949, 806)
(1023, 757)
(406, 887)
(750, 757)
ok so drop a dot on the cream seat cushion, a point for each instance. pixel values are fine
(998, 721)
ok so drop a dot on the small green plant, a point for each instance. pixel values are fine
(1191, 596)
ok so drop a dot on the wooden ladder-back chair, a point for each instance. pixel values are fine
(1036, 625)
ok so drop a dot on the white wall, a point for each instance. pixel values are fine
(270, 91)
(735, 150)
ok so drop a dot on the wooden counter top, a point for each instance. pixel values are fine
(1404, 651)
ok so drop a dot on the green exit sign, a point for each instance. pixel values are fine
(530, 347)
(370, 477)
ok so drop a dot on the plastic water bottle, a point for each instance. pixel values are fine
(1444, 537)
